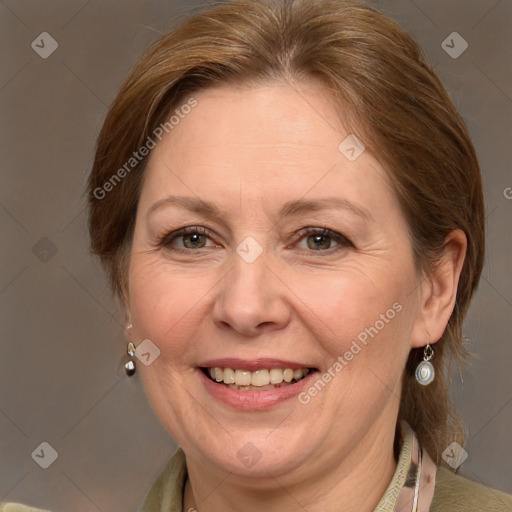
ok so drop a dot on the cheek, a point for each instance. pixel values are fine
(363, 316)
(363, 330)
(165, 305)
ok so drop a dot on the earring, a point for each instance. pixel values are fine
(425, 372)
(129, 367)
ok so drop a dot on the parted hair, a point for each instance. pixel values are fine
(385, 92)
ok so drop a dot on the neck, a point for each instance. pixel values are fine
(353, 483)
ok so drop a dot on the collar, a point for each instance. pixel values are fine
(412, 487)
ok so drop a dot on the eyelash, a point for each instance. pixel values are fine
(341, 240)
(337, 237)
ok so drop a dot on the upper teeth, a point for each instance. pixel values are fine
(257, 378)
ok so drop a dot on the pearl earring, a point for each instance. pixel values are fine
(425, 372)
(129, 367)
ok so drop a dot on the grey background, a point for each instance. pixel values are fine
(62, 343)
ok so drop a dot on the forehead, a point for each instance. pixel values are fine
(271, 142)
(243, 120)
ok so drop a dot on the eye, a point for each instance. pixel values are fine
(197, 237)
(192, 237)
(323, 239)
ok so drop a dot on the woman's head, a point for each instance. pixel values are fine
(252, 112)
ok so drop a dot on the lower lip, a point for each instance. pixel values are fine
(253, 400)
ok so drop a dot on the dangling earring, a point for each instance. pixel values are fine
(129, 367)
(425, 372)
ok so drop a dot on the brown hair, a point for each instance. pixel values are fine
(391, 99)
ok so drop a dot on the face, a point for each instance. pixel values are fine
(259, 249)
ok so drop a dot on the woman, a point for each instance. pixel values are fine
(291, 210)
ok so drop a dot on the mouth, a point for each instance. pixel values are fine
(258, 380)
(254, 384)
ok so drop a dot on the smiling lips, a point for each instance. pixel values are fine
(255, 375)
(254, 385)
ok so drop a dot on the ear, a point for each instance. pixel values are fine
(438, 291)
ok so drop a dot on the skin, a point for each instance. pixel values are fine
(249, 150)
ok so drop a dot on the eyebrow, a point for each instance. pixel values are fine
(289, 209)
(336, 203)
(193, 204)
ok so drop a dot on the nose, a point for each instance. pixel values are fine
(251, 299)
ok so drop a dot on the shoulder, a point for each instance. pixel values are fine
(454, 493)
(17, 507)
(166, 493)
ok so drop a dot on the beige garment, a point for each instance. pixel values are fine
(17, 507)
